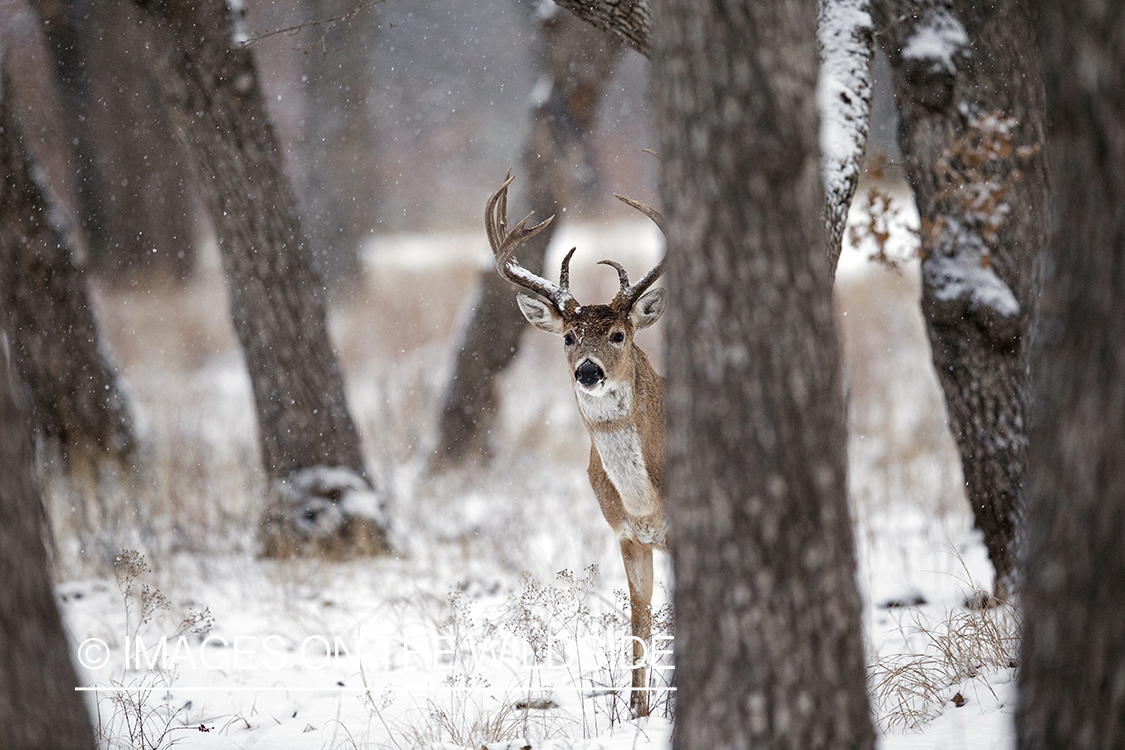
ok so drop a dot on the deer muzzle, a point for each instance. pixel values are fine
(589, 373)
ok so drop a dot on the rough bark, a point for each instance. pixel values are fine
(340, 193)
(132, 206)
(39, 708)
(979, 347)
(74, 391)
(1072, 683)
(627, 21)
(209, 87)
(577, 63)
(769, 649)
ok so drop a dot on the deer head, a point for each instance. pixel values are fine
(598, 339)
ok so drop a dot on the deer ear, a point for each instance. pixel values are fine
(648, 309)
(540, 314)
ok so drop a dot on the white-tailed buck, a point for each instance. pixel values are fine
(620, 396)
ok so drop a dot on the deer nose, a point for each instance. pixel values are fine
(589, 374)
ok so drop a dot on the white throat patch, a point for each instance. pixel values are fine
(611, 401)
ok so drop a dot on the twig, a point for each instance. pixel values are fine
(292, 30)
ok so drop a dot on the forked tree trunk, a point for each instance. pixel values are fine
(953, 62)
(74, 391)
(132, 202)
(341, 176)
(769, 647)
(321, 499)
(577, 64)
(1072, 682)
(39, 707)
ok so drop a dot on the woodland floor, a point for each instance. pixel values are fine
(496, 564)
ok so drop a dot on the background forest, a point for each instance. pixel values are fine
(278, 396)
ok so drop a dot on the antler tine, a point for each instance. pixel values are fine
(636, 290)
(645, 209)
(505, 242)
(564, 272)
(622, 276)
(629, 294)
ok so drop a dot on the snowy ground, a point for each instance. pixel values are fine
(438, 645)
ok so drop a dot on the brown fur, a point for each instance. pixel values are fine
(623, 410)
(624, 364)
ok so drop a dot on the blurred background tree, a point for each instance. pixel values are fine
(386, 118)
(133, 204)
(576, 65)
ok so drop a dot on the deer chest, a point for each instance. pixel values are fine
(624, 464)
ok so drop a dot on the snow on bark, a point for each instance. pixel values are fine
(844, 31)
(960, 281)
(327, 510)
(938, 37)
(240, 36)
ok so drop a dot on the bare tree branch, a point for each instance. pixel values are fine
(294, 30)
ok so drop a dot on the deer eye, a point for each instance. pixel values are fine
(617, 337)
(568, 339)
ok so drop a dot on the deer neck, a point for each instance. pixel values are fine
(613, 418)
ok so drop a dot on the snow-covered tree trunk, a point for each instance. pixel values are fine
(132, 203)
(844, 37)
(321, 498)
(39, 707)
(969, 86)
(577, 63)
(1072, 682)
(769, 646)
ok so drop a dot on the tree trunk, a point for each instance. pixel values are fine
(844, 38)
(769, 647)
(1072, 683)
(322, 500)
(74, 392)
(340, 193)
(38, 705)
(960, 69)
(577, 64)
(132, 202)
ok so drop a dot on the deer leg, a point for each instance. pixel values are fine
(638, 569)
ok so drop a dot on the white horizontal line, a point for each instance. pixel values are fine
(345, 689)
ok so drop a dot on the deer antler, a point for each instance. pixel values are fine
(505, 242)
(629, 294)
